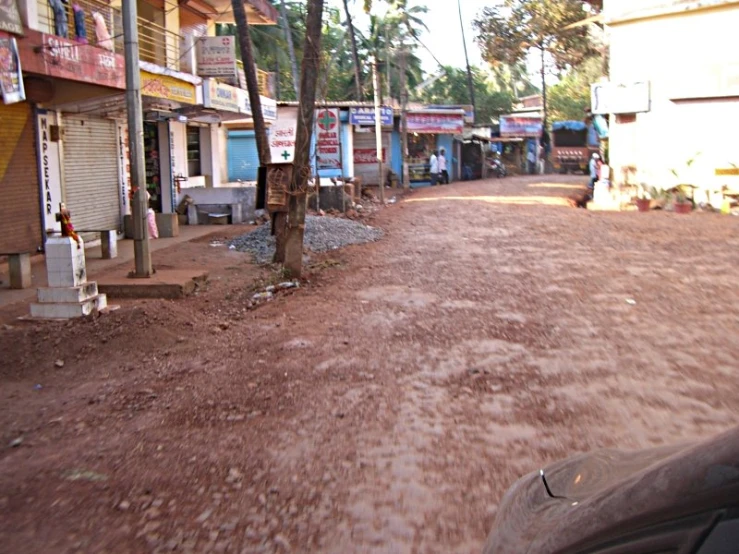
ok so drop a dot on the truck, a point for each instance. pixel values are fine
(573, 143)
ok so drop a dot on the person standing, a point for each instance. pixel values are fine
(594, 167)
(443, 173)
(531, 158)
(434, 168)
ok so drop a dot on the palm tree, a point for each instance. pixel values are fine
(355, 54)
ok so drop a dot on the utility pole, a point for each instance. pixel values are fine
(470, 83)
(139, 208)
(378, 126)
(404, 117)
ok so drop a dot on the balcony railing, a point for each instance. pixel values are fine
(265, 79)
(156, 44)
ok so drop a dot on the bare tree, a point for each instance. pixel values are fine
(306, 114)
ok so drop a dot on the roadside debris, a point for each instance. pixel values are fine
(321, 234)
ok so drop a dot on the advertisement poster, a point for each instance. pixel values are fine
(11, 79)
(10, 18)
(328, 147)
(282, 137)
(216, 57)
(368, 156)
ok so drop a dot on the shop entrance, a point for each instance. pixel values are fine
(152, 157)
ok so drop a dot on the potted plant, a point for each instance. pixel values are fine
(681, 203)
(643, 199)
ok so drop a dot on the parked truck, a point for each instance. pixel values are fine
(573, 143)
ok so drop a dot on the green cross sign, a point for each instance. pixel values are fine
(327, 120)
(285, 155)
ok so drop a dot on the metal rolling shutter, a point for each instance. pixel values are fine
(20, 211)
(366, 143)
(91, 173)
(243, 158)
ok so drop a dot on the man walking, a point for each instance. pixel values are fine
(443, 173)
(434, 168)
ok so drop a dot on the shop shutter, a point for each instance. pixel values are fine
(20, 211)
(91, 173)
(364, 147)
(243, 158)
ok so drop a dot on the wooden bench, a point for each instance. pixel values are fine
(19, 268)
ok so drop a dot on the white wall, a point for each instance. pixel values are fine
(693, 70)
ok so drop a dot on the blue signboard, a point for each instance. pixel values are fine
(366, 116)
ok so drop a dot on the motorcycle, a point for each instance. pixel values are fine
(497, 168)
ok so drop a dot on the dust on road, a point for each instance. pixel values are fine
(387, 404)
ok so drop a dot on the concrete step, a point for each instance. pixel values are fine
(67, 295)
(69, 310)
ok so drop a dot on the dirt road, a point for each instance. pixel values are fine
(387, 404)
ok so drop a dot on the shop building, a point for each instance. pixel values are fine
(431, 129)
(65, 134)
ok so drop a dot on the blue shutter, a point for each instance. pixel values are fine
(243, 159)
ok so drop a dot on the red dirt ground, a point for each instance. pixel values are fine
(387, 404)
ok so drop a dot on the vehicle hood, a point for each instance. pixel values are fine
(609, 492)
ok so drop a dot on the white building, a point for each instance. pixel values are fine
(674, 91)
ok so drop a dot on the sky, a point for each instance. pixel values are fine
(444, 38)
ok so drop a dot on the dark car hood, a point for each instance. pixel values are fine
(610, 492)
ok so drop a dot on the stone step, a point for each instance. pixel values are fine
(67, 295)
(69, 310)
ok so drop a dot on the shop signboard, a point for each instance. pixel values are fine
(269, 105)
(59, 57)
(435, 123)
(620, 98)
(328, 139)
(168, 88)
(366, 116)
(516, 126)
(282, 136)
(11, 78)
(216, 57)
(469, 110)
(10, 18)
(220, 96)
(364, 156)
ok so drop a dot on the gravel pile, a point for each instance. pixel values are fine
(321, 234)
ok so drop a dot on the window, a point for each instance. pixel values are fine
(193, 151)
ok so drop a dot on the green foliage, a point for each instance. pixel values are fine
(569, 98)
(492, 99)
(507, 32)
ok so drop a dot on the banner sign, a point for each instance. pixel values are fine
(269, 106)
(513, 126)
(619, 98)
(328, 137)
(169, 88)
(438, 124)
(366, 116)
(282, 136)
(216, 57)
(368, 156)
(220, 96)
(10, 17)
(469, 110)
(11, 78)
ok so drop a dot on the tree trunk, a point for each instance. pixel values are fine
(306, 115)
(355, 56)
(544, 106)
(290, 48)
(252, 85)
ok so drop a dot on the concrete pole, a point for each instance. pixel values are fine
(403, 118)
(139, 207)
(378, 127)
